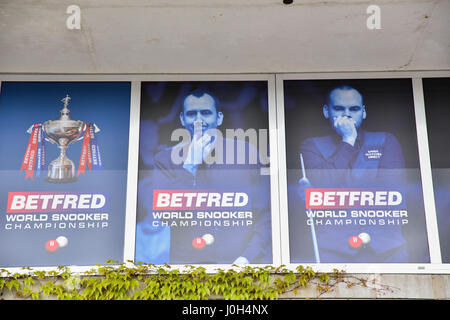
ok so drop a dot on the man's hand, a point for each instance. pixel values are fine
(345, 127)
(200, 147)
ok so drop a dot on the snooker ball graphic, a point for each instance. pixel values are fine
(355, 242)
(51, 245)
(54, 245)
(365, 238)
(198, 243)
(209, 239)
(62, 241)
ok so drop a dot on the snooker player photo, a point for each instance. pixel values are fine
(203, 190)
(354, 184)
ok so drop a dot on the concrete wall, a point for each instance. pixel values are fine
(378, 286)
(223, 36)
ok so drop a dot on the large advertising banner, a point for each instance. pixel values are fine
(63, 172)
(204, 183)
(354, 184)
(436, 97)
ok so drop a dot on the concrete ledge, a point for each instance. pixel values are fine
(356, 286)
(382, 286)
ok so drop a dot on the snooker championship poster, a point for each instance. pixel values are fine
(204, 187)
(354, 183)
(64, 155)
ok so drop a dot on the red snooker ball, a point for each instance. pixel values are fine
(51, 245)
(198, 243)
(355, 242)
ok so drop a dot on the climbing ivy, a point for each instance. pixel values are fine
(139, 281)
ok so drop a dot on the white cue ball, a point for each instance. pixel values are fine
(365, 238)
(62, 241)
(209, 239)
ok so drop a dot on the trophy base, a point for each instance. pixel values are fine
(61, 173)
(67, 180)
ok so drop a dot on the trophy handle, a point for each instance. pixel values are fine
(30, 129)
(49, 140)
(96, 129)
(81, 137)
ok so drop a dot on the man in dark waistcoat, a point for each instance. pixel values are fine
(350, 157)
(203, 164)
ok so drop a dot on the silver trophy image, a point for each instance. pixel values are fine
(62, 131)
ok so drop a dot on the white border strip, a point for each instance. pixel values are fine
(381, 268)
(221, 77)
(284, 215)
(425, 169)
(132, 182)
(274, 165)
